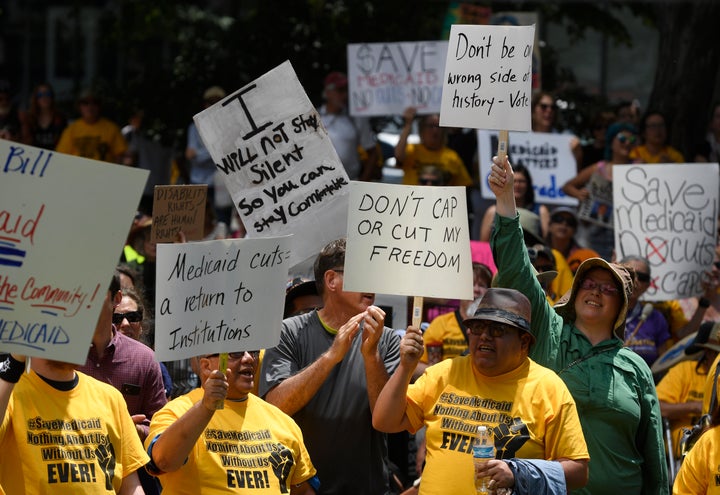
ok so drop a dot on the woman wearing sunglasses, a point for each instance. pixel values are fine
(44, 123)
(581, 338)
(593, 188)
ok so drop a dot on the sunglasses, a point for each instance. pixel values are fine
(237, 355)
(569, 221)
(605, 289)
(130, 316)
(642, 277)
(493, 329)
(624, 138)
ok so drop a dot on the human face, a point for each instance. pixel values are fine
(520, 185)
(480, 284)
(655, 131)
(544, 114)
(132, 329)
(305, 304)
(562, 226)
(642, 279)
(496, 348)
(431, 134)
(595, 306)
(241, 378)
(336, 99)
(351, 302)
(90, 110)
(44, 96)
(623, 143)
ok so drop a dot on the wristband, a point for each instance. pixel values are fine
(704, 302)
(11, 369)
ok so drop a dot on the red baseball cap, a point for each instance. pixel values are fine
(336, 80)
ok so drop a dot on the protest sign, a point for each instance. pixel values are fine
(178, 208)
(488, 77)
(408, 240)
(219, 296)
(280, 167)
(386, 78)
(667, 213)
(597, 208)
(63, 224)
(548, 158)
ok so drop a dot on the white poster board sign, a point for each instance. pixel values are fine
(63, 224)
(281, 169)
(386, 78)
(488, 77)
(408, 240)
(667, 213)
(218, 296)
(548, 158)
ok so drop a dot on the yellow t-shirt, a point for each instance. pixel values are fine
(529, 409)
(99, 141)
(248, 447)
(79, 441)
(709, 383)
(642, 154)
(682, 383)
(418, 156)
(446, 330)
(700, 471)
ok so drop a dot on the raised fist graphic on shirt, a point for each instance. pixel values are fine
(509, 438)
(105, 455)
(282, 463)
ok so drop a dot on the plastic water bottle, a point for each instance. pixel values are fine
(483, 451)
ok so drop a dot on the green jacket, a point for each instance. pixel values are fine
(612, 386)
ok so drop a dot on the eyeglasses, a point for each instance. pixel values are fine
(238, 355)
(642, 277)
(130, 316)
(624, 138)
(493, 329)
(429, 181)
(605, 289)
(546, 106)
(569, 221)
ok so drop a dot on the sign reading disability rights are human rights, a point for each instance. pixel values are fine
(488, 77)
(279, 165)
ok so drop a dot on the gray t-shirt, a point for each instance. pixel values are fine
(347, 451)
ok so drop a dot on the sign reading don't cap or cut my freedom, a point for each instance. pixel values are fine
(62, 231)
(217, 296)
(488, 77)
(276, 157)
(408, 240)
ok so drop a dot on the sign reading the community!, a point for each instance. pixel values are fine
(668, 214)
(488, 77)
(54, 275)
(386, 78)
(408, 240)
(216, 296)
(280, 167)
(179, 208)
(548, 158)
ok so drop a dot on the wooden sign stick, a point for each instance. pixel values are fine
(417, 311)
(222, 366)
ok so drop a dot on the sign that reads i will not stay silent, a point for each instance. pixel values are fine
(667, 213)
(215, 296)
(278, 162)
(488, 77)
(408, 240)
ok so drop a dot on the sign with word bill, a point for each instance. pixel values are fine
(280, 167)
(63, 224)
(668, 213)
(178, 208)
(548, 158)
(408, 240)
(488, 77)
(218, 296)
(387, 78)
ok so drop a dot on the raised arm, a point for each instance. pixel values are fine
(408, 117)
(293, 393)
(389, 414)
(501, 182)
(173, 445)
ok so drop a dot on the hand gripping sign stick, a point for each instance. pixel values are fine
(222, 366)
(417, 311)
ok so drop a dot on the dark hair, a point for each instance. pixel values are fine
(632, 257)
(650, 113)
(331, 256)
(539, 95)
(529, 198)
(114, 283)
(128, 271)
